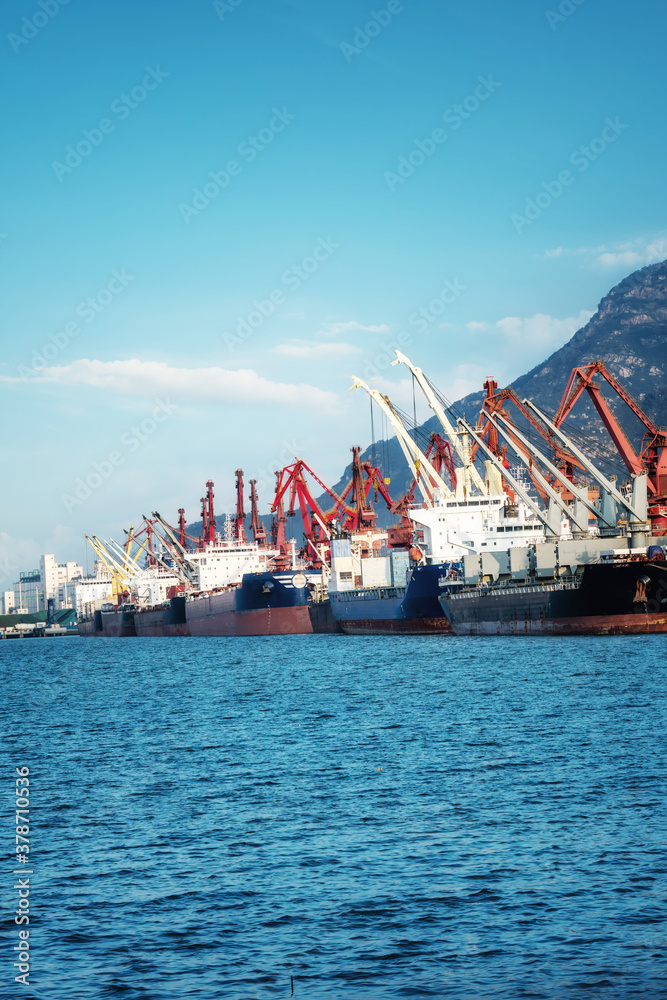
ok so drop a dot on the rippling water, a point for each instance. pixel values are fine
(373, 817)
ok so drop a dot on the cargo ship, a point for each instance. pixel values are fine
(398, 590)
(268, 603)
(555, 592)
(410, 609)
(607, 576)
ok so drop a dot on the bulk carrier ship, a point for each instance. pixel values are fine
(608, 575)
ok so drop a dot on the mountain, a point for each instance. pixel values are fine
(628, 332)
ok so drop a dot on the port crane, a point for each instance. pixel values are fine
(428, 480)
(651, 457)
(458, 440)
(256, 526)
(316, 524)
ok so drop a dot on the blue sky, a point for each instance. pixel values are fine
(226, 209)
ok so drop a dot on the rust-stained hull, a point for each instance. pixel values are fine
(412, 609)
(396, 626)
(636, 624)
(624, 598)
(92, 626)
(264, 621)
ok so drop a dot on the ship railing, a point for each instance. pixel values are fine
(571, 583)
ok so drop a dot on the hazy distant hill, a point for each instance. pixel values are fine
(628, 332)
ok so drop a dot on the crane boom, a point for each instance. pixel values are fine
(580, 494)
(585, 462)
(415, 458)
(550, 526)
(470, 473)
(552, 494)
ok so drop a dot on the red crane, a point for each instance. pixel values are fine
(204, 522)
(240, 513)
(495, 403)
(651, 457)
(210, 537)
(278, 530)
(258, 529)
(316, 524)
(352, 509)
(360, 514)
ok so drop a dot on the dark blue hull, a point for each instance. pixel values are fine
(263, 604)
(414, 609)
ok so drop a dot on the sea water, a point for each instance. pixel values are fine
(337, 817)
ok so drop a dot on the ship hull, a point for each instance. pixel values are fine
(605, 601)
(263, 604)
(322, 619)
(410, 610)
(118, 624)
(92, 626)
(165, 621)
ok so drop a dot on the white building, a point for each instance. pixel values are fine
(52, 580)
(56, 579)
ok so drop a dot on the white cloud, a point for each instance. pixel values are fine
(541, 332)
(631, 254)
(333, 329)
(150, 378)
(16, 554)
(306, 349)
(474, 326)
(647, 254)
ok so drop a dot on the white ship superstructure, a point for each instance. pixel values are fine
(458, 527)
(224, 563)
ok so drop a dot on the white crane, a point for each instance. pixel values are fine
(415, 458)
(458, 440)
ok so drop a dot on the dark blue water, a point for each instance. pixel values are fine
(374, 817)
